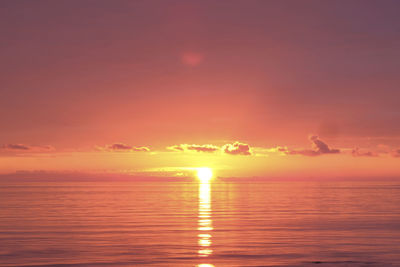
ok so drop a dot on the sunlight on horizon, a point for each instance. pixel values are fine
(204, 218)
(204, 174)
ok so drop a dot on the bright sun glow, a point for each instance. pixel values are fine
(204, 174)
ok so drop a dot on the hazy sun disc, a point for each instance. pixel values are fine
(204, 174)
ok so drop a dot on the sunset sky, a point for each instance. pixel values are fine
(156, 88)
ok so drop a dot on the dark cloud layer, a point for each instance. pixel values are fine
(125, 147)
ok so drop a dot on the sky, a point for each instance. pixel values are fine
(249, 88)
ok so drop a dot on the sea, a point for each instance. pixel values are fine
(204, 224)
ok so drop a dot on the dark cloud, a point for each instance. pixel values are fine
(319, 148)
(15, 147)
(322, 147)
(358, 153)
(396, 153)
(237, 148)
(193, 147)
(125, 147)
(25, 148)
(119, 146)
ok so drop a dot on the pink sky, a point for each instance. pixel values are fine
(265, 88)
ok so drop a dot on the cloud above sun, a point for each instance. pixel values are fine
(121, 147)
(235, 148)
(193, 147)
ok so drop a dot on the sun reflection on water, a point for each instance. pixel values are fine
(204, 221)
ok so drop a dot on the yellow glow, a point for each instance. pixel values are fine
(204, 174)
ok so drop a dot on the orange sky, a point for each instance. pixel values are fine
(249, 88)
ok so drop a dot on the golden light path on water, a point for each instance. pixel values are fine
(205, 221)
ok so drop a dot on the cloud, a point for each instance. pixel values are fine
(304, 152)
(15, 147)
(199, 148)
(357, 153)
(203, 148)
(26, 148)
(176, 148)
(237, 148)
(265, 151)
(396, 153)
(119, 146)
(124, 147)
(319, 148)
(284, 150)
(142, 149)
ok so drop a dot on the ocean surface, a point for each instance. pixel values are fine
(200, 224)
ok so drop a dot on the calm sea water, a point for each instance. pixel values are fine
(200, 224)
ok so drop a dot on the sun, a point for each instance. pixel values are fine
(204, 174)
